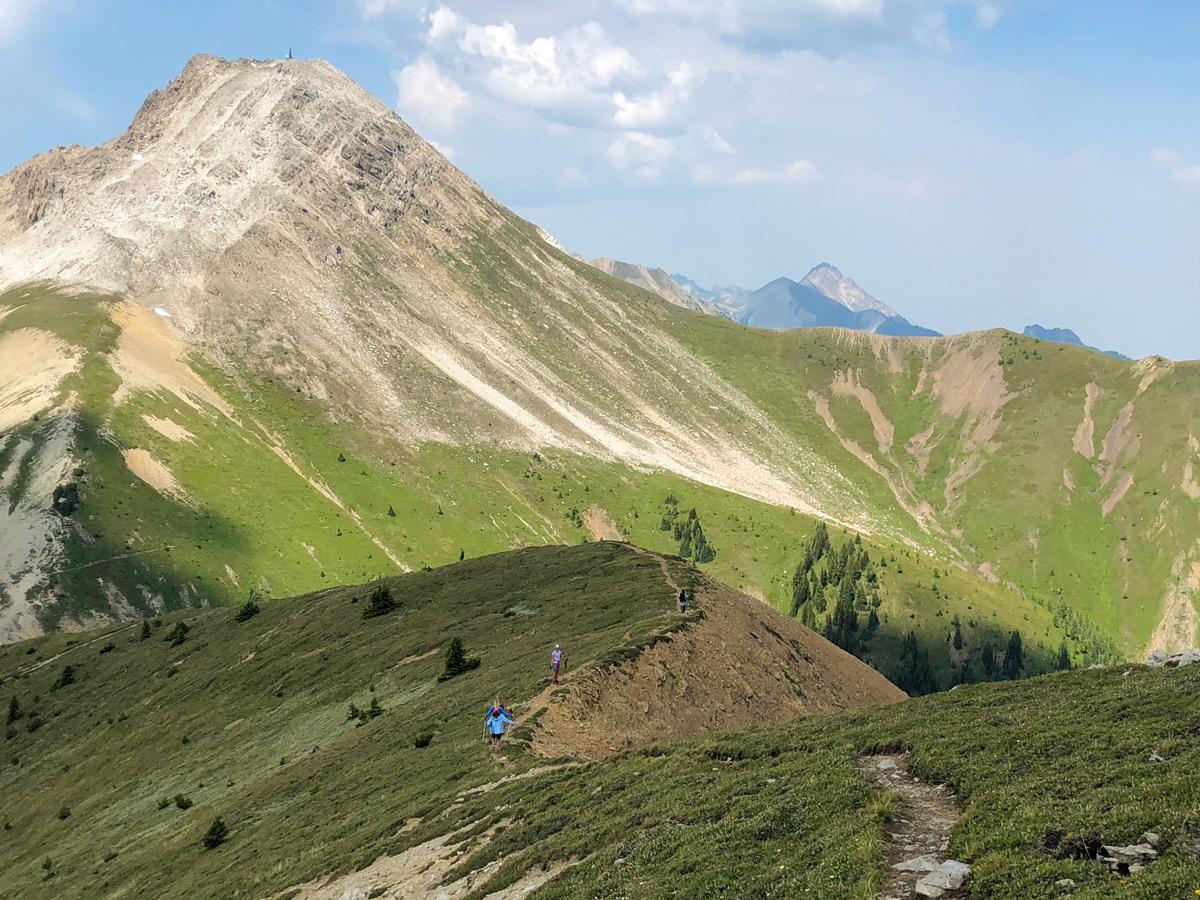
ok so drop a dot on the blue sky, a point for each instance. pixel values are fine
(972, 163)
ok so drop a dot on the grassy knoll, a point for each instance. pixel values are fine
(249, 721)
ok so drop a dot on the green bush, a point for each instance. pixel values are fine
(177, 635)
(457, 660)
(145, 629)
(424, 739)
(64, 812)
(164, 802)
(249, 609)
(365, 715)
(66, 678)
(216, 834)
(379, 603)
(183, 801)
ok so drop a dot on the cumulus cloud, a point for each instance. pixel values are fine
(639, 152)
(427, 95)
(799, 172)
(542, 72)
(715, 142)
(653, 109)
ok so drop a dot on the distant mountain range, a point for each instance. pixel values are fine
(1066, 336)
(823, 298)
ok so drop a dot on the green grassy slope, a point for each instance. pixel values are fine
(250, 520)
(1003, 480)
(248, 721)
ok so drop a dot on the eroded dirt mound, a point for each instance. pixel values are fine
(737, 663)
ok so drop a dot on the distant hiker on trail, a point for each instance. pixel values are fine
(462, 554)
(556, 662)
(683, 599)
(496, 721)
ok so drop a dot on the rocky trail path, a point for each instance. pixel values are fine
(919, 832)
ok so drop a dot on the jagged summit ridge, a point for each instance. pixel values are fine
(833, 284)
(224, 148)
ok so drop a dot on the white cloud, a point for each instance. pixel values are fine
(799, 172)
(715, 142)
(543, 72)
(1165, 159)
(655, 108)
(373, 9)
(986, 14)
(640, 152)
(702, 174)
(1173, 163)
(427, 95)
(1187, 175)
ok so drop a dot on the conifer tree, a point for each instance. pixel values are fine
(1063, 663)
(1014, 657)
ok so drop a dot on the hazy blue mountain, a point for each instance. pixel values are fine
(823, 298)
(1066, 336)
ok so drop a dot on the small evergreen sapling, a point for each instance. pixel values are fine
(379, 603)
(249, 609)
(457, 660)
(216, 834)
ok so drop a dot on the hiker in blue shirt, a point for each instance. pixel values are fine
(496, 721)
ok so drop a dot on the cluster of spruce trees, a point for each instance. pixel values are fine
(838, 590)
(835, 592)
(686, 528)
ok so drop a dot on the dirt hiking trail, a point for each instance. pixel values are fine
(920, 832)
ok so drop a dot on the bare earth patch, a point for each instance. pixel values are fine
(33, 363)
(155, 474)
(169, 429)
(1179, 627)
(417, 874)
(1084, 440)
(601, 525)
(150, 355)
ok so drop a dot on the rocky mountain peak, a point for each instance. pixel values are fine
(227, 150)
(833, 284)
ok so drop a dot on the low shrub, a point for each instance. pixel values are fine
(424, 739)
(379, 603)
(216, 835)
